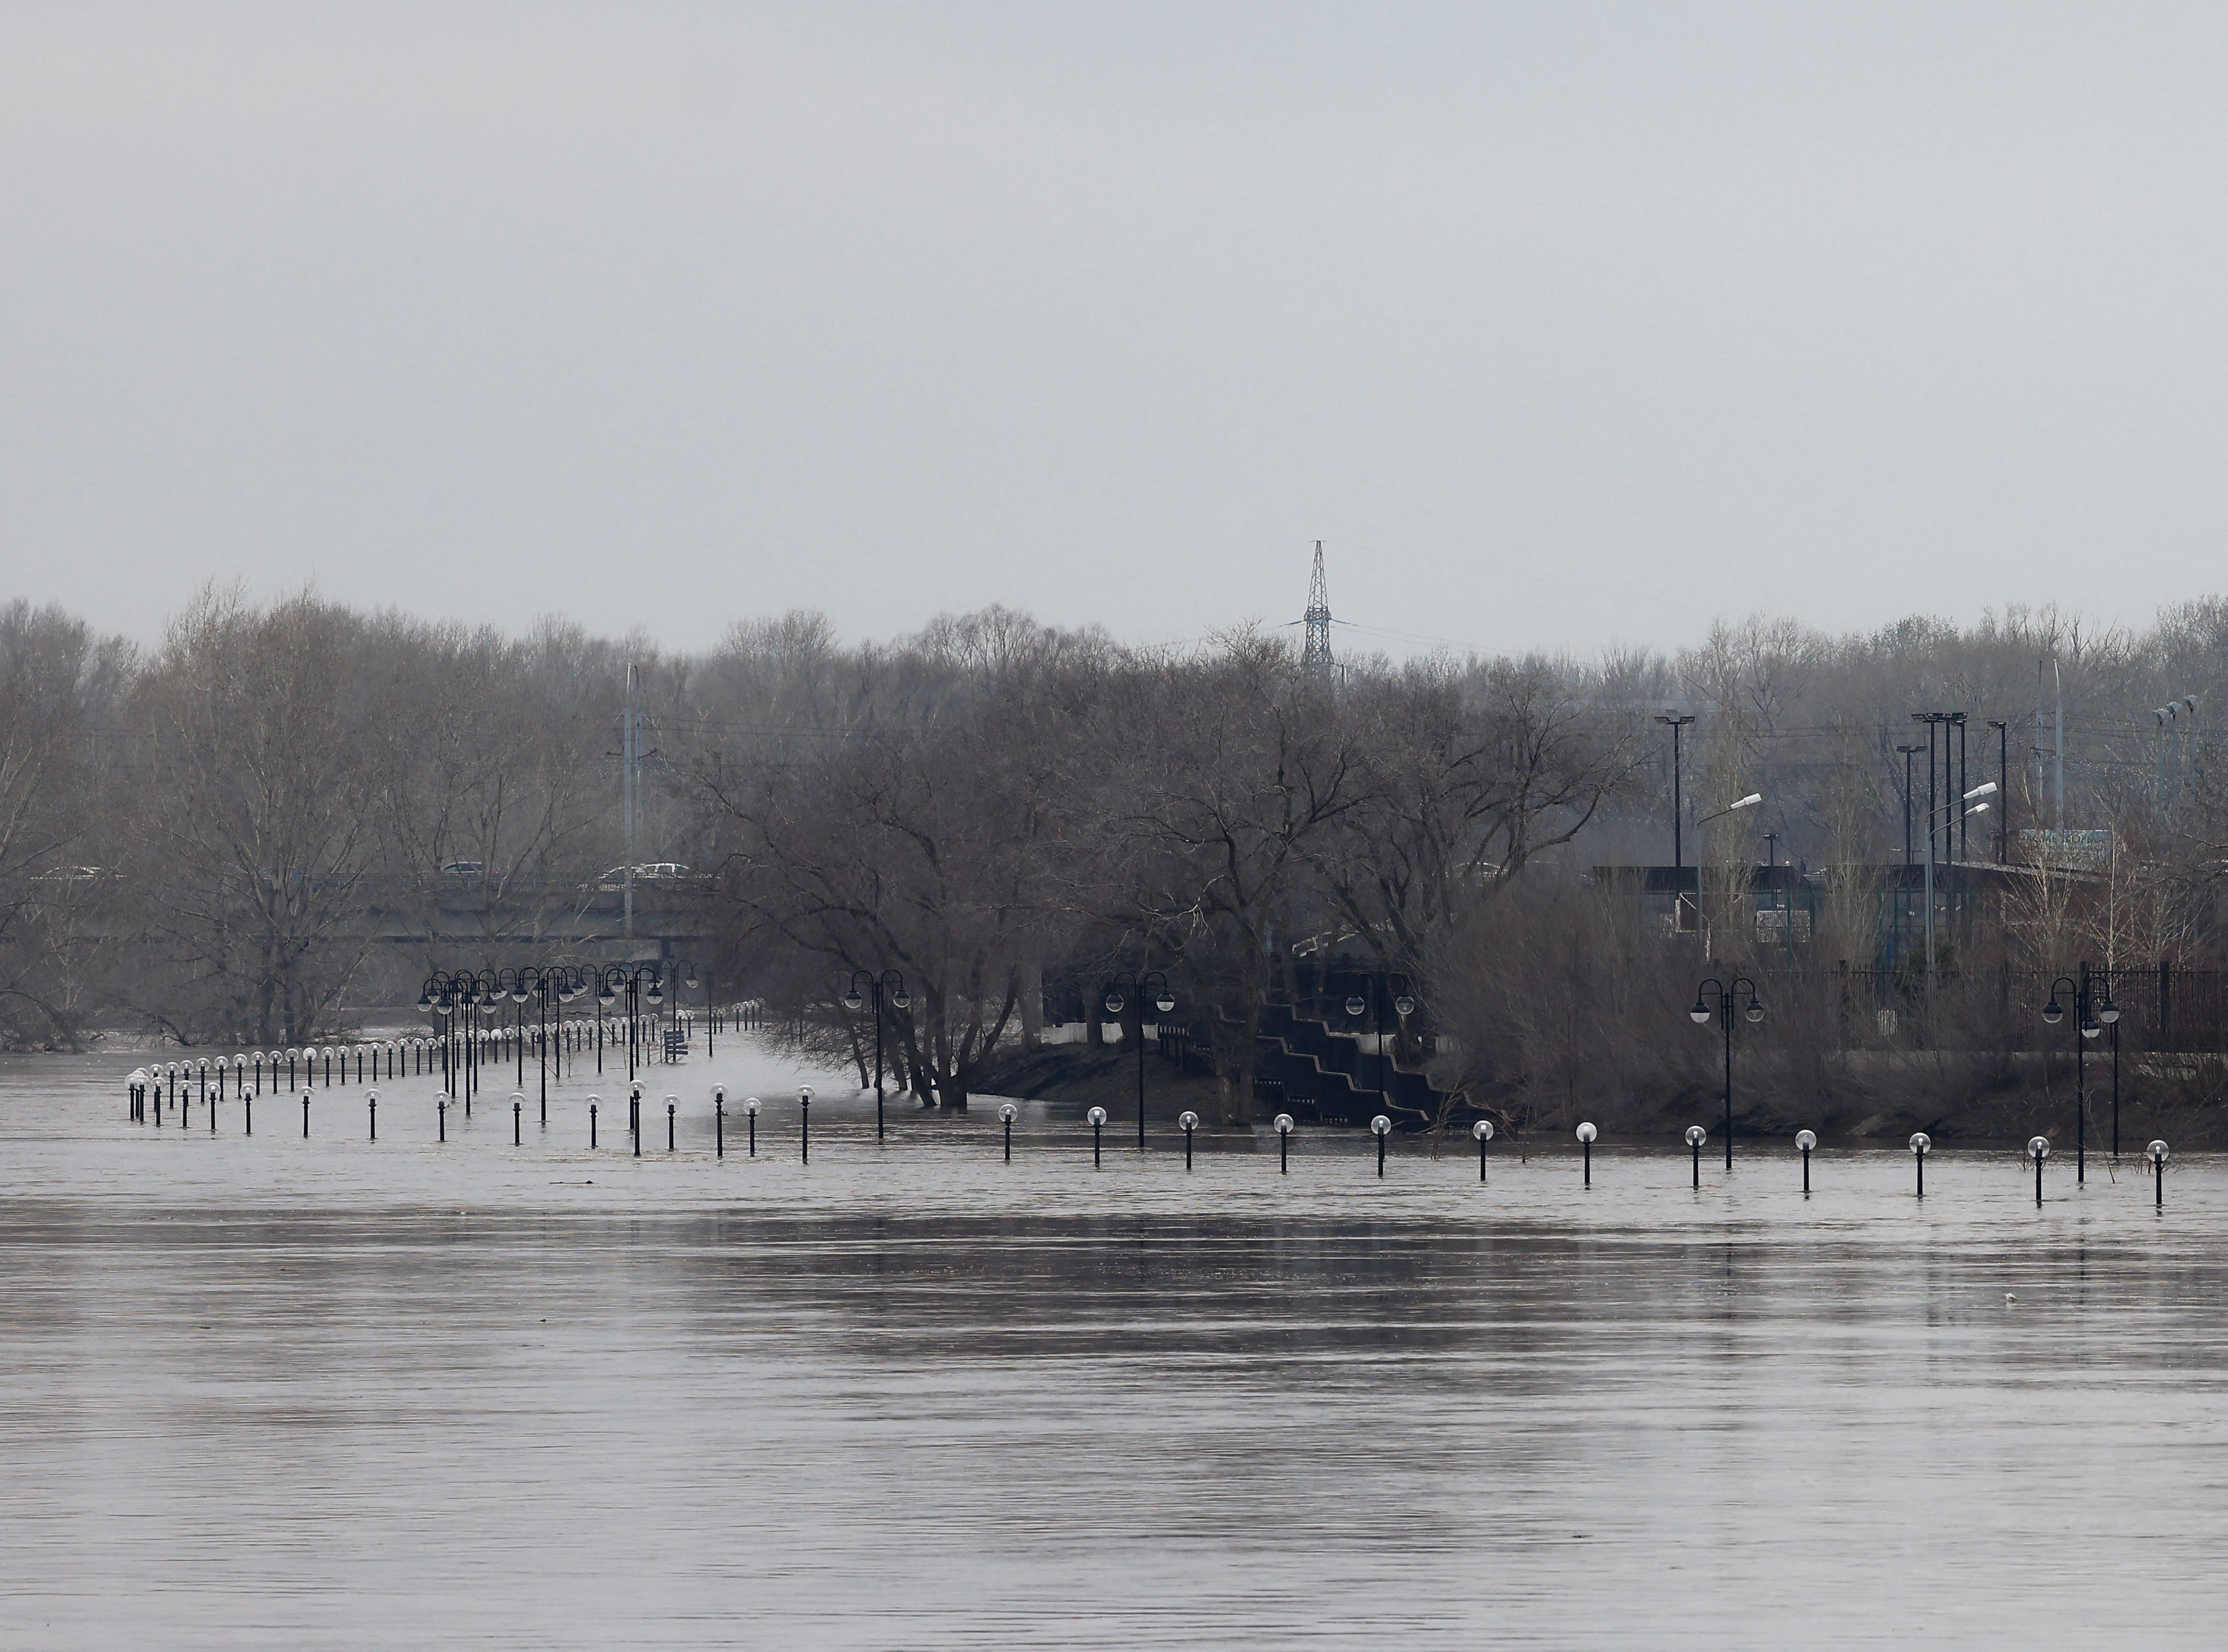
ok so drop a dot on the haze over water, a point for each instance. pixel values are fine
(270, 1392)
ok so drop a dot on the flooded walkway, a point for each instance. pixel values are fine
(265, 1391)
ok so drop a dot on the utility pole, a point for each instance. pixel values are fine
(630, 749)
(2057, 734)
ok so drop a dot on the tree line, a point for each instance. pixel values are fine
(193, 830)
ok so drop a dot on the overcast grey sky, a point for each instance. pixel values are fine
(1560, 323)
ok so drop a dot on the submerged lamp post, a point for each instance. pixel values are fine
(1006, 1111)
(1404, 1005)
(1804, 1141)
(1097, 1120)
(804, 1124)
(2092, 1015)
(751, 1120)
(1187, 1121)
(889, 982)
(1482, 1132)
(1586, 1133)
(2038, 1149)
(2157, 1150)
(1283, 1144)
(1921, 1145)
(1752, 1010)
(1695, 1136)
(1381, 1127)
(639, 984)
(1164, 1001)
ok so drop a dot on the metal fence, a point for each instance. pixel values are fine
(2163, 1005)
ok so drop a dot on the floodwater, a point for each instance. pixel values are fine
(265, 1391)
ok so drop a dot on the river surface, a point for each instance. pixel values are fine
(265, 1392)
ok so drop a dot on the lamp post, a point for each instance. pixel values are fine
(1164, 1001)
(639, 984)
(891, 982)
(2089, 1019)
(1404, 1005)
(444, 993)
(1676, 719)
(1700, 1014)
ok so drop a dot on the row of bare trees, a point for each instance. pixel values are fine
(995, 799)
(282, 815)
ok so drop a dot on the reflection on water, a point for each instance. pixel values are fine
(270, 1392)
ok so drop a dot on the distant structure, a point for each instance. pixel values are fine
(1315, 658)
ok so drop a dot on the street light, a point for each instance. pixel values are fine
(1753, 1010)
(1164, 1001)
(893, 983)
(2091, 1017)
(640, 984)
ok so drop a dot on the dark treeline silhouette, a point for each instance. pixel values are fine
(192, 834)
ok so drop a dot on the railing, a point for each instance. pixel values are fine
(2163, 1006)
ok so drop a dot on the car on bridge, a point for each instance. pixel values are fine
(654, 872)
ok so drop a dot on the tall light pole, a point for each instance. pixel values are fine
(1676, 720)
(893, 984)
(1963, 807)
(1958, 847)
(1734, 807)
(1753, 1010)
(1909, 751)
(2003, 784)
(1164, 1001)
